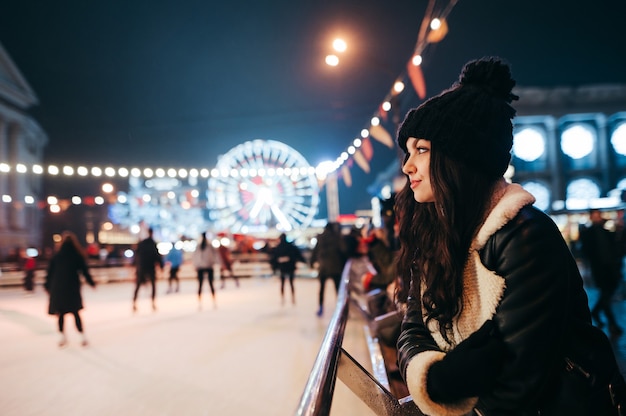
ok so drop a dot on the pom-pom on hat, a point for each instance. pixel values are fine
(472, 121)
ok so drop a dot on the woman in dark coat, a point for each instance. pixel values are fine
(63, 283)
(285, 256)
(497, 320)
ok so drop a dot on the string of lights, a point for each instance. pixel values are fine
(432, 29)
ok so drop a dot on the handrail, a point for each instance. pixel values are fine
(332, 362)
(318, 392)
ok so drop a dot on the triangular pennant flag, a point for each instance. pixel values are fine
(379, 133)
(417, 79)
(347, 177)
(367, 149)
(438, 34)
(361, 161)
(382, 112)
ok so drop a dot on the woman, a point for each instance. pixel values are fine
(497, 320)
(205, 258)
(63, 284)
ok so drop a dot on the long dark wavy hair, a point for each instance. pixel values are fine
(70, 244)
(435, 237)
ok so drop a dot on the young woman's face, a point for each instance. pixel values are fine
(417, 168)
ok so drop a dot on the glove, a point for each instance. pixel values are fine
(468, 370)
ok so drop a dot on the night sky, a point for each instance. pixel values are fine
(180, 82)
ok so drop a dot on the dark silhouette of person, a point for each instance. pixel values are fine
(226, 268)
(330, 257)
(175, 259)
(285, 256)
(63, 284)
(30, 265)
(147, 257)
(600, 249)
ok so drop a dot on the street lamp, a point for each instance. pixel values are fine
(339, 46)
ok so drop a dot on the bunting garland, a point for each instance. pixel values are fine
(346, 175)
(361, 161)
(433, 29)
(379, 133)
(417, 79)
(367, 149)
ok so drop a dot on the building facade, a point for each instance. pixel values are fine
(22, 142)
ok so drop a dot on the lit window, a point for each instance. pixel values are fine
(578, 141)
(540, 192)
(583, 189)
(618, 138)
(529, 144)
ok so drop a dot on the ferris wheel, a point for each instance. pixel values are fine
(262, 185)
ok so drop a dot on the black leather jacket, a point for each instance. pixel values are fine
(542, 313)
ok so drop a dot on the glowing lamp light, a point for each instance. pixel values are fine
(618, 139)
(340, 45)
(578, 141)
(323, 169)
(529, 144)
(332, 60)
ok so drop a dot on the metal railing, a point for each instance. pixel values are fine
(334, 362)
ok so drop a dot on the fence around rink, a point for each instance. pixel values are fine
(333, 362)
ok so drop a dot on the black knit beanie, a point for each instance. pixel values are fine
(472, 121)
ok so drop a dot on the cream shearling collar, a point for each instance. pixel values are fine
(482, 288)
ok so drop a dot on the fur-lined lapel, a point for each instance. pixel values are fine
(482, 288)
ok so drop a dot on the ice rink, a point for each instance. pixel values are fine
(249, 356)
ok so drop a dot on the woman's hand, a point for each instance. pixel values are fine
(470, 369)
